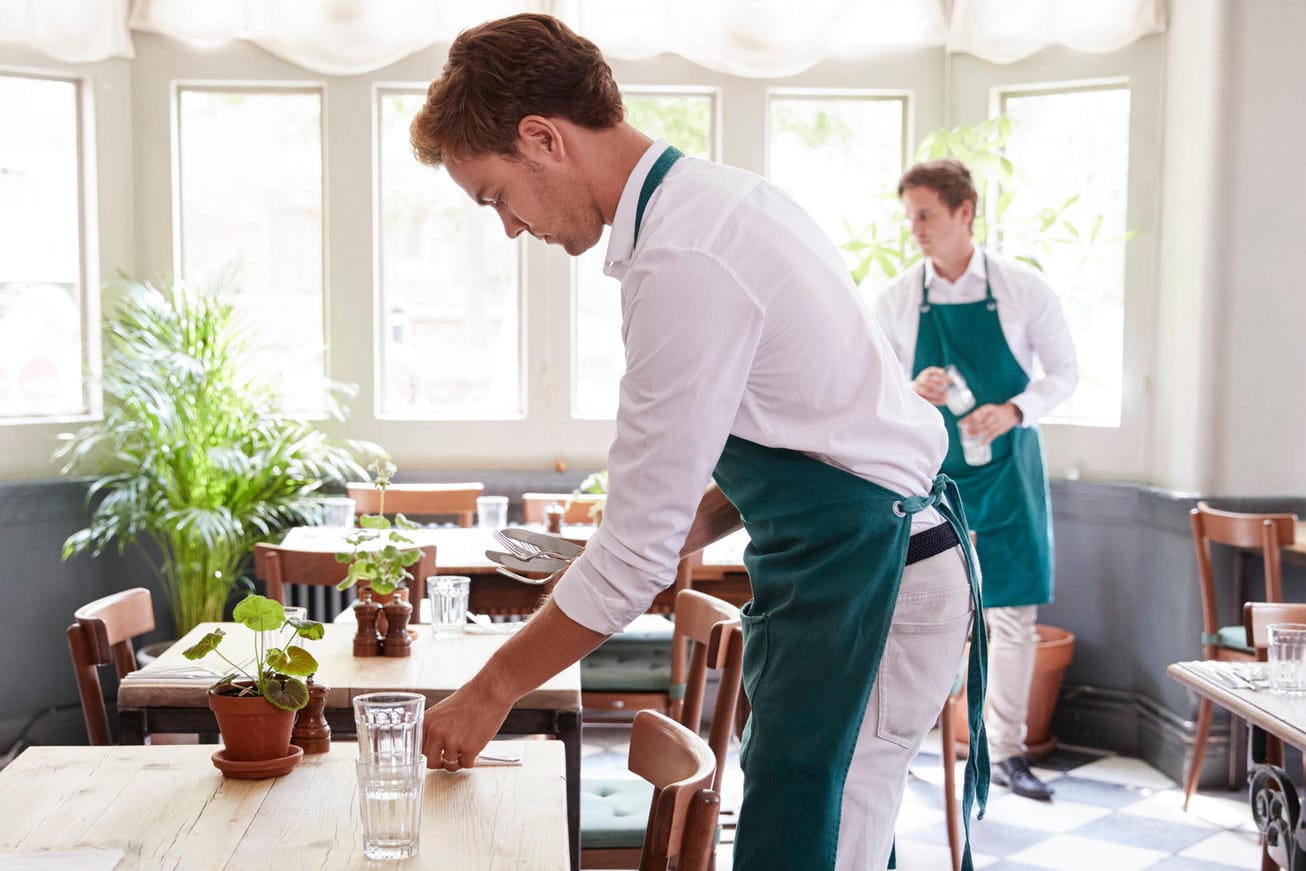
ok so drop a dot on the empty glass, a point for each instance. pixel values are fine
(975, 450)
(492, 512)
(1287, 658)
(448, 595)
(389, 728)
(960, 400)
(338, 511)
(390, 805)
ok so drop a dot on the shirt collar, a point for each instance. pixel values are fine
(975, 267)
(621, 241)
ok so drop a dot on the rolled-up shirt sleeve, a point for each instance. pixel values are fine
(1049, 338)
(691, 332)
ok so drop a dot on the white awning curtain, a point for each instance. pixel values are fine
(757, 38)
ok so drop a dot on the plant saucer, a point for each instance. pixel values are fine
(259, 769)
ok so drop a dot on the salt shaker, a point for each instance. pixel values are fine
(960, 400)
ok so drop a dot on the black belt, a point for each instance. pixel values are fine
(931, 542)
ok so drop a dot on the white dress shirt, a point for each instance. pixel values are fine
(1028, 310)
(738, 316)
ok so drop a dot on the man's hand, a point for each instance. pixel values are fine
(931, 384)
(458, 728)
(990, 421)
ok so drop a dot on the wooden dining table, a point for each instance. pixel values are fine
(157, 699)
(1275, 802)
(166, 808)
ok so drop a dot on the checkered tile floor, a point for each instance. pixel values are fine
(1109, 811)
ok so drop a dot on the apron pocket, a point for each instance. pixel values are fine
(914, 678)
(755, 648)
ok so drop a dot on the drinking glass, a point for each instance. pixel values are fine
(960, 400)
(338, 511)
(492, 512)
(448, 595)
(390, 805)
(1287, 658)
(389, 728)
(974, 449)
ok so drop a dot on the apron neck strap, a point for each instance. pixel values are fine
(988, 286)
(651, 182)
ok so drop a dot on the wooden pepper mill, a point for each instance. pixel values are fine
(397, 615)
(367, 641)
(311, 729)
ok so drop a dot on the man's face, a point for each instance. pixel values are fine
(940, 233)
(536, 198)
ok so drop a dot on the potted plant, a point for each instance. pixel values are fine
(193, 463)
(256, 701)
(379, 560)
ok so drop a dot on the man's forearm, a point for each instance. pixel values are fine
(716, 518)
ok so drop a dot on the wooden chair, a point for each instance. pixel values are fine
(1264, 532)
(682, 817)
(102, 633)
(308, 578)
(578, 512)
(612, 810)
(421, 500)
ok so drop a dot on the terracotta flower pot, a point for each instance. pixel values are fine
(1051, 657)
(253, 729)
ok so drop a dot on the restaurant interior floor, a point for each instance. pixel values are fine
(1109, 811)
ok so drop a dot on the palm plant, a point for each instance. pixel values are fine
(193, 464)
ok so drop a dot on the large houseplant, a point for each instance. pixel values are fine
(193, 463)
(256, 701)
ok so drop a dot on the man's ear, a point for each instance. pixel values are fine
(540, 139)
(967, 210)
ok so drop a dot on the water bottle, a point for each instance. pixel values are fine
(960, 400)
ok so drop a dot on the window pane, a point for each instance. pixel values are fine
(1067, 145)
(41, 347)
(598, 359)
(840, 158)
(250, 166)
(450, 303)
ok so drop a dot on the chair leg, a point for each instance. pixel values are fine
(1204, 712)
(948, 756)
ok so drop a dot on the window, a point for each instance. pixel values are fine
(1070, 150)
(686, 120)
(42, 260)
(249, 213)
(449, 296)
(839, 155)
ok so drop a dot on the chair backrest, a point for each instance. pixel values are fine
(714, 627)
(1259, 615)
(309, 577)
(419, 499)
(578, 512)
(683, 815)
(102, 633)
(1264, 532)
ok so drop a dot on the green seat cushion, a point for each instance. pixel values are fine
(641, 669)
(613, 812)
(645, 629)
(1230, 638)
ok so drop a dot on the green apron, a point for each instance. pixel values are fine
(1006, 499)
(826, 555)
(825, 562)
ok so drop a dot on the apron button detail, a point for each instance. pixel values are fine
(897, 509)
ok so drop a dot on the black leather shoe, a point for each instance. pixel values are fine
(1014, 774)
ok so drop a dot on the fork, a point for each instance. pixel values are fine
(521, 549)
(525, 580)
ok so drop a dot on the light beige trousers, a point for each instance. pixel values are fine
(931, 622)
(1013, 639)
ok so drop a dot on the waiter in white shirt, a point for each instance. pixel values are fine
(990, 317)
(751, 360)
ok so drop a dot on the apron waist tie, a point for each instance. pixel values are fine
(945, 497)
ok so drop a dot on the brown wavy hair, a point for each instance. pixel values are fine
(948, 177)
(500, 72)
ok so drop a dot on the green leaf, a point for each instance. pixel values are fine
(373, 521)
(259, 613)
(287, 693)
(310, 629)
(292, 660)
(205, 645)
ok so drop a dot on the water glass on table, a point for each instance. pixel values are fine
(492, 512)
(391, 772)
(338, 511)
(1287, 658)
(448, 595)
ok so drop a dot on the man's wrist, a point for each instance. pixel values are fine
(1020, 415)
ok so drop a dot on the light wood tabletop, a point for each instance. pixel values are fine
(167, 807)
